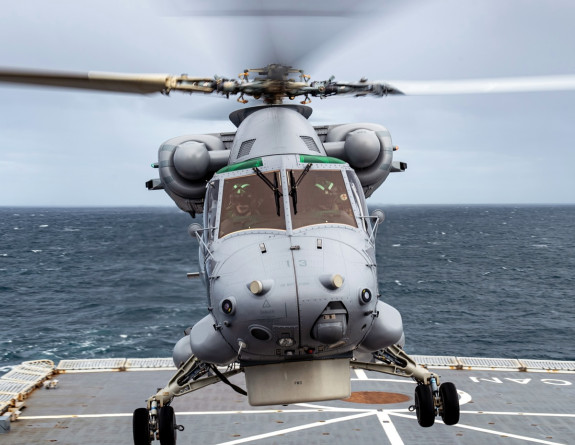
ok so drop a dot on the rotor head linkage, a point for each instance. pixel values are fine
(272, 83)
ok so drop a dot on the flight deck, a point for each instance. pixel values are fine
(503, 401)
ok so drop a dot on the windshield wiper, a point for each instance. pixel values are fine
(273, 186)
(294, 184)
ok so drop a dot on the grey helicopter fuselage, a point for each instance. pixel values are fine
(287, 249)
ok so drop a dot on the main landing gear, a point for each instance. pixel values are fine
(158, 420)
(432, 399)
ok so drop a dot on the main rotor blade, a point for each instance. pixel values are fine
(482, 86)
(125, 83)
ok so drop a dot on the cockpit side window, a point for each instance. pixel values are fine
(211, 207)
(359, 198)
(320, 198)
(251, 202)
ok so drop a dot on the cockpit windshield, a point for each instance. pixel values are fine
(256, 201)
(252, 202)
(320, 198)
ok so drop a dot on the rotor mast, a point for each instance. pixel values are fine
(277, 82)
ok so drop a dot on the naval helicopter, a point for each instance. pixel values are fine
(287, 245)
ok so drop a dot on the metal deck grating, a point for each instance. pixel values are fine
(93, 364)
(42, 365)
(35, 369)
(22, 380)
(548, 365)
(479, 362)
(9, 387)
(117, 364)
(23, 376)
(429, 360)
(6, 398)
(145, 363)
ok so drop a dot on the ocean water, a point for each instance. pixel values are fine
(489, 281)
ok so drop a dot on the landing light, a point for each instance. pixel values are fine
(256, 287)
(260, 287)
(331, 281)
(337, 280)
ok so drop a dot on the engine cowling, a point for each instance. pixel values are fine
(365, 147)
(186, 163)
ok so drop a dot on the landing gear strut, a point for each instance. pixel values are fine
(431, 398)
(158, 420)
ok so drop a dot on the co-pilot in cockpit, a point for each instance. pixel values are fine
(255, 201)
(248, 202)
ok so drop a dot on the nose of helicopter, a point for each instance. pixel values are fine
(290, 296)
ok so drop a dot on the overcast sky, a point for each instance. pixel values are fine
(64, 147)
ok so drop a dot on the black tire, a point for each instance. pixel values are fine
(450, 401)
(167, 426)
(141, 427)
(424, 406)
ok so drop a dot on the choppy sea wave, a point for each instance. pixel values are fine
(491, 281)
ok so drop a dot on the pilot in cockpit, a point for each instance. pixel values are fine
(326, 194)
(242, 210)
(332, 202)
